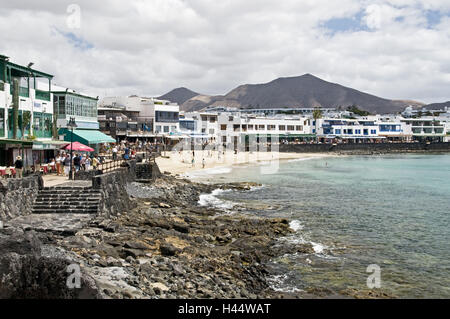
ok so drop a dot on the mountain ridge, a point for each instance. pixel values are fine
(301, 91)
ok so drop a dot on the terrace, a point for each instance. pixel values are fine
(26, 77)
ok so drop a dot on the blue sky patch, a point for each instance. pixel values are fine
(351, 24)
(433, 17)
(76, 41)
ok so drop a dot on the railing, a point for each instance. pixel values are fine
(110, 165)
(42, 95)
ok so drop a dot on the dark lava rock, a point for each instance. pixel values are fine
(168, 250)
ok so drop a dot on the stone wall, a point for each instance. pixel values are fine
(366, 148)
(17, 196)
(112, 186)
(86, 175)
(147, 171)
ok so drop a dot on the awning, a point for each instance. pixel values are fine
(16, 142)
(89, 137)
(48, 145)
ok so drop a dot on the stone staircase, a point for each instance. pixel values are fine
(67, 200)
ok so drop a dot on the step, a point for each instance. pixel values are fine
(46, 196)
(66, 202)
(64, 211)
(68, 188)
(70, 192)
(43, 206)
(69, 196)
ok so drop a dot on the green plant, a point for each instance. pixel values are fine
(26, 120)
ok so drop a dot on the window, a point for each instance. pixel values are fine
(271, 127)
(166, 129)
(262, 127)
(230, 118)
(158, 129)
(223, 127)
(337, 131)
(224, 139)
(250, 127)
(290, 127)
(299, 128)
(168, 117)
(373, 132)
(282, 127)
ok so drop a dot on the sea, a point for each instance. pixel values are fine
(375, 222)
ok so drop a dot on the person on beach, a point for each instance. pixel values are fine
(193, 162)
(203, 163)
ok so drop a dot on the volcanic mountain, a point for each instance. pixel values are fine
(301, 91)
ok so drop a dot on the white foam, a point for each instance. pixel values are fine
(213, 171)
(303, 159)
(296, 225)
(318, 248)
(279, 283)
(212, 201)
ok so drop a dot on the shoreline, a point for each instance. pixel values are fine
(179, 163)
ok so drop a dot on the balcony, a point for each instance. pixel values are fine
(42, 95)
(2, 86)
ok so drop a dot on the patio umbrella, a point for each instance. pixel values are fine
(77, 146)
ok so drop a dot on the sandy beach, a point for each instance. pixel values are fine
(181, 162)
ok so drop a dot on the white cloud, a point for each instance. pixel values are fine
(150, 47)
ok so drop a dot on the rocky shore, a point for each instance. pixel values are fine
(167, 246)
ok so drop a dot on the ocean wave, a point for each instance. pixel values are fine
(296, 225)
(304, 159)
(280, 283)
(212, 201)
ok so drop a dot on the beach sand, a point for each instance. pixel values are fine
(181, 162)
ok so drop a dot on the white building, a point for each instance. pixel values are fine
(235, 128)
(164, 115)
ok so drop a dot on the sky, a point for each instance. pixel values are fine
(396, 49)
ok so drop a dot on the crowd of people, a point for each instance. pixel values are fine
(79, 162)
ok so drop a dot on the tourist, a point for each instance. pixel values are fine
(193, 162)
(58, 164)
(126, 156)
(203, 163)
(52, 164)
(67, 162)
(18, 166)
(87, 163)
(95, 162)
(83, 162)
(76, 162)
(114, 153)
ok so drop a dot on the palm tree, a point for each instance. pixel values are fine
(317, 114)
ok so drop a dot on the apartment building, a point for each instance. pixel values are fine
(135, 117)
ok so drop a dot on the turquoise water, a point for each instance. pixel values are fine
(392, 211)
